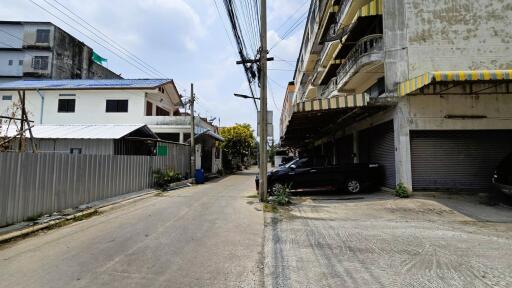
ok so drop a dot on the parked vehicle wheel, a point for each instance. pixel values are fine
(352, 185)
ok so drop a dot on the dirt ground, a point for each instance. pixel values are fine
(377, 240)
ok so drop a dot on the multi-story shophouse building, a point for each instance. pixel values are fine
(422, 87)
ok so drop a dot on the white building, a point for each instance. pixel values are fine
(154, 102)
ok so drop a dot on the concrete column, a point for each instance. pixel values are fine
(182, 138)
(402, 144)
(355, 144)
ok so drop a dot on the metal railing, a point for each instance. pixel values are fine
(341, 12)
(367, 45)
(329, 88)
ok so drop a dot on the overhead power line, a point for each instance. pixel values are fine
(290, 30)
(110, 40)
(244, 21)
(137, 66)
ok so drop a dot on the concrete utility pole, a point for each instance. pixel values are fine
(263, 102)
(192, 133)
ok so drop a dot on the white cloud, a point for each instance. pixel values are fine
(185, 39)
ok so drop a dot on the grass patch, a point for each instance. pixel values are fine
(270, 208)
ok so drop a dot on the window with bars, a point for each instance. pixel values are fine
(40, 62)
(66, 106)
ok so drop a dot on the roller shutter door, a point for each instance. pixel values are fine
(344, 149)
(457, 160)
(377, 144)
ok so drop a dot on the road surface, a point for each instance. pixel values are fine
(203, 236)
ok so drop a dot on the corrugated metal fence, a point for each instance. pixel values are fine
(43, 183)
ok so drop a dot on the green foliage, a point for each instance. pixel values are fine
(163, 178)
(401, 191)
(281, 194)
(238, 140)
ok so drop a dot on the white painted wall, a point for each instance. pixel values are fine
(27, 63)
(12, 37)
(11, 70)
(89, 109)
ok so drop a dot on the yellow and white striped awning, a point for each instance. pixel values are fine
(414, 84)
(371, 9)
(337, 102)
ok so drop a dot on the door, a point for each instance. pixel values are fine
(457, 160)
(377, 144)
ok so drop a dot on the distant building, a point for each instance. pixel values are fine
(42, 50)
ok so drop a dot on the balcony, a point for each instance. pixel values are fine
(329, 88)
(368, 50)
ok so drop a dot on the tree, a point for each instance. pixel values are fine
(238, 141)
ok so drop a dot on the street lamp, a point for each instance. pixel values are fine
(246, 96)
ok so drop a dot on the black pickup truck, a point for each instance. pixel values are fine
(303, 174)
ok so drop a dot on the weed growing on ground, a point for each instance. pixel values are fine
(163, 178)
(402, 191)
(281, 194)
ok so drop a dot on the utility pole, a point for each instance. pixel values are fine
(263, 102)
(192, 133)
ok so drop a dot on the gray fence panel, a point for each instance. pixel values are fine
(43, 183)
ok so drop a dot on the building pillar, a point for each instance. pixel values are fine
(402, 144)
(355, 147)
(182, 138)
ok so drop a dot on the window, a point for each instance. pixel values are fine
(43, 36)
(161, 112)
(66, 106)
(117, 106)
(20, 62)
(149, 108)
(40, 62)
(75, 151)
(7, 97)
(10, 62)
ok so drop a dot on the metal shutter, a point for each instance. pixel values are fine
(457, 160)
(344, 149)
(377, 144)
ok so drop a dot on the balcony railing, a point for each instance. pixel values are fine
(329, 88)
(341, 11)
(371, 44)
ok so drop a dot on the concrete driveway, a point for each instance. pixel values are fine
(382, 241)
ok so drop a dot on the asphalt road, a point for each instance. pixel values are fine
(202, 236)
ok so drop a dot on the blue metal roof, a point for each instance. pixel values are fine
(78, 84)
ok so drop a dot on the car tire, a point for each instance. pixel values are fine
(352, 185)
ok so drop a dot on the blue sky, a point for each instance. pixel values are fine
(186, 41)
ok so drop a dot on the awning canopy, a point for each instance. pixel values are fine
(416, 83)
(337, 102)
(311, 120)
(211, 134)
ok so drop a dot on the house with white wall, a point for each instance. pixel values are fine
(154, 102)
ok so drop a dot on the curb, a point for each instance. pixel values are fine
(100, 208)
